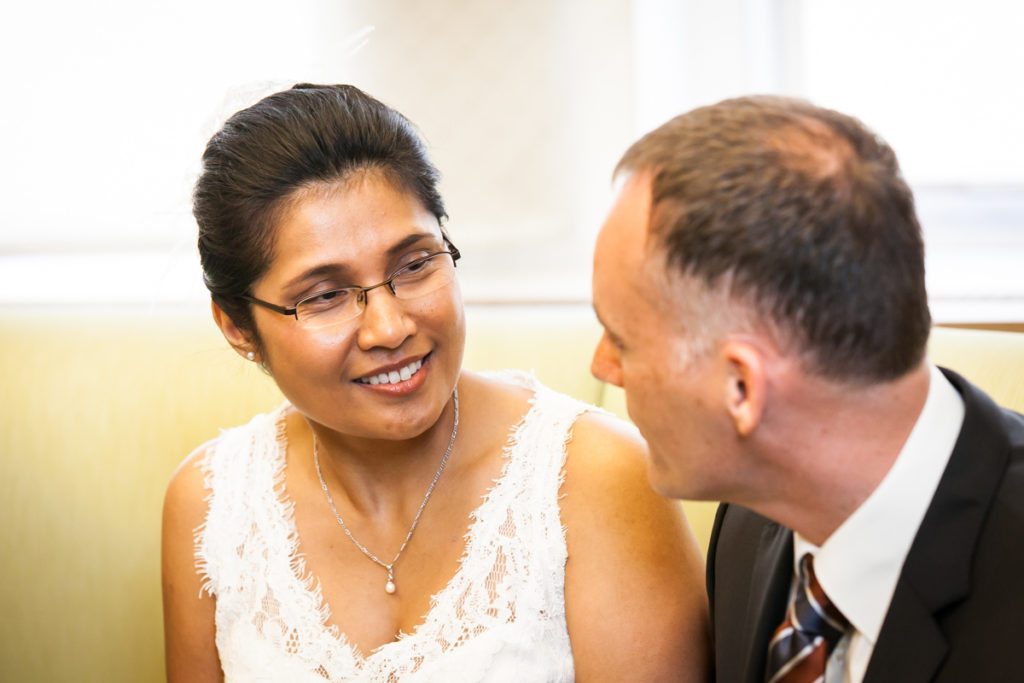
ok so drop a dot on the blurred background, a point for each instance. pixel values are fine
(526, 106)
(110, 368)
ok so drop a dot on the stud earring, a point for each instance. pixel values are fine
(250, 356)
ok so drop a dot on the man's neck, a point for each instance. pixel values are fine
(821, 455)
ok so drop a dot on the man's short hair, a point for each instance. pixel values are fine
(803, 213)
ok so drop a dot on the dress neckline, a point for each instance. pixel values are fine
(308, 584)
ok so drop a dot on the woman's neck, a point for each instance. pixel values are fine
(376, 475)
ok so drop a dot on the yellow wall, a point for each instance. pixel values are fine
(99, 407)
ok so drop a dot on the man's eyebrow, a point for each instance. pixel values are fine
(608, 332)
(600, 320)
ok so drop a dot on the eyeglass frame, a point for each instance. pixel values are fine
(293, 311)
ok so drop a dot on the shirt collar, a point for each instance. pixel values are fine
(859, 564)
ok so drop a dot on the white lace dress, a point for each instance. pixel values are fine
(500, 618)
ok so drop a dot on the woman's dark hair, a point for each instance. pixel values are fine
(293, 139)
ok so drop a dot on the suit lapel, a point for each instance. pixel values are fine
(936, 573)
(769, 593)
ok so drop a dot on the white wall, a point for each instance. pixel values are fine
(526, 107)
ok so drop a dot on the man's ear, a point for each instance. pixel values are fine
(746, 386)
(239, 340)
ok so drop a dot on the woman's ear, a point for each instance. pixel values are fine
(239, 340)
(746, 386)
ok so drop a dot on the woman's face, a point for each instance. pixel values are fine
(360, 232)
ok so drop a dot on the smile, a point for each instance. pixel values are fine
(395, 376)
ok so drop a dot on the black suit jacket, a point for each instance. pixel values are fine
(958, 610)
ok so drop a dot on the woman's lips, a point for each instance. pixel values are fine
(401, 381)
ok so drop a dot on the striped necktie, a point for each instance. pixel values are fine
(803, 642)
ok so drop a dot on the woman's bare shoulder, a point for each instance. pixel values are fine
(619, 532)
(188, 482)
(505, 386)
(608, 453)
(493, 400)
(189, 631)
(186, 489)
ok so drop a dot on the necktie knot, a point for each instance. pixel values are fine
(813, 626)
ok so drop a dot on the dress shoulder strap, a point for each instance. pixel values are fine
(243, 469)
(538, 442)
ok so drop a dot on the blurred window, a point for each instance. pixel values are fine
(526, 107)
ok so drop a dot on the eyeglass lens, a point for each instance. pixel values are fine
(419, 278)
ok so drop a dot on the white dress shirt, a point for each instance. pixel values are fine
(859, 564)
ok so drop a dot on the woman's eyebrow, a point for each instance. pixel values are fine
(333, 269)
(408, 241)
(342, 271)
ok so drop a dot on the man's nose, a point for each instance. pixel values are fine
(605, 364)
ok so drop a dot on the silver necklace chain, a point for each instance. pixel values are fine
(389, 587)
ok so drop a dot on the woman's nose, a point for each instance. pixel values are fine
(384, 321)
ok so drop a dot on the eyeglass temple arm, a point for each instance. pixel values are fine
(283, 310)
(456, 254)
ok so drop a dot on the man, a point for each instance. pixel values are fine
(760, 279)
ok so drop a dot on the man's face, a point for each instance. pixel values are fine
(674, 397)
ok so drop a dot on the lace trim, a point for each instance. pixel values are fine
(523, 495)
(477, 518)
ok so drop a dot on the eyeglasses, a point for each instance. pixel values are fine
(415, 279)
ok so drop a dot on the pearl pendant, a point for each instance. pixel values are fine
(389, 587)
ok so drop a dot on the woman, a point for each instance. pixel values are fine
(398, 518)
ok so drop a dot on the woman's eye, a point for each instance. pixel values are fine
(331, 298)
(413, 259)
(416, 266)
(420, 267)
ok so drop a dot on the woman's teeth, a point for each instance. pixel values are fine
(394, 376)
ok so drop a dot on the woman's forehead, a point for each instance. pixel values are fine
(353, 226)
(363, 200)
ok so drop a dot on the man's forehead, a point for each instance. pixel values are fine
(633, 193)
(626, 262)
(624, 234)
